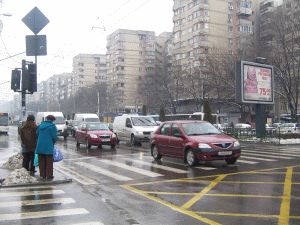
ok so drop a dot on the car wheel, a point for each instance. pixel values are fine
(87, 143)
(231, 160)
(132, 140)
(113, 146)
(99, 146)
(65, 137)
(155, 153)
(77, 143)
(191, 158)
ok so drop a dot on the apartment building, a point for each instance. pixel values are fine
(88, 70)
(130, 56)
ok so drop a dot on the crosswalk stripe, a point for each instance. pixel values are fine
(263, 154)
(76, 176)
(247, 157)
(245, 161)
(89, 223)
(43, 214)
(37, 202)
(28, 193)
(131, 168)
(273, 153)
(158, 166)
(104, 172)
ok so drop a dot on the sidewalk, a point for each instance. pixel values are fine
(58, 179)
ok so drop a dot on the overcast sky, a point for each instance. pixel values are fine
(70, 32)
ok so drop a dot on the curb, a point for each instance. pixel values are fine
(37, 183)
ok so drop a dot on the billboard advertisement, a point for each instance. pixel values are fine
(254, 83)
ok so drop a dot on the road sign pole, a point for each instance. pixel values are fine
(23, 92)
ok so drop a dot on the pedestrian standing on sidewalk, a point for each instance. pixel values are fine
(47, 133)
(29, 140)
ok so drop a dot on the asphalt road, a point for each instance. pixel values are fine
(126, 185)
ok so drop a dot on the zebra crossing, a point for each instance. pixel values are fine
(35, 203)
(134, 166)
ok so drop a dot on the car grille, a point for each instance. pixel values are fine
(223, 145)
(104, 136)
(147, 133)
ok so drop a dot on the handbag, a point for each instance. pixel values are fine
(57, 155)
(36, 160)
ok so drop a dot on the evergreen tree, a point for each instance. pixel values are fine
(127, 111)
(207, 111)
(144, 110)
(162, 114)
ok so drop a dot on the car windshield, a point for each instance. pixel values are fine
(97, 126)
(143, 121)
(59, 120)
(191, 129)
(91, 119)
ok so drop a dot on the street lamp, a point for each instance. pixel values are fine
(6, 14)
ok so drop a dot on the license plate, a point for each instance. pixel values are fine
(225, 153)
(105, 140)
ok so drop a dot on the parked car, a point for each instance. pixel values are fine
(289, 128)
(74, 126)
(95, 134)
(271, 128)
(193, 141)
(242, 126)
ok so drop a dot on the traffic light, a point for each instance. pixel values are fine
(32, 78)
(15, 79)
(29, 78)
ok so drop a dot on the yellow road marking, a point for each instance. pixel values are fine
(239, 214)
(203, 192)
(286, 201)
(174, 207)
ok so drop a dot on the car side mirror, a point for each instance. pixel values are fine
(129, 125)
(178, 135)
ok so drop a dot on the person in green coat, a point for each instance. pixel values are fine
(47, 136)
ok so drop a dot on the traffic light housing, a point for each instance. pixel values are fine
(29, 78)
(15, 79)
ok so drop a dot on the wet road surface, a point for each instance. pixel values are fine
(126, 186)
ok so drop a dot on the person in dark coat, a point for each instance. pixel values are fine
(29, 140)
(47, 133)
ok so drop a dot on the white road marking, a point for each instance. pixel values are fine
(28, 193)
(103, 171)
(43, 214)
(37, 202)
(76, 176)
(157, 166)
(245, 161)
(263, 154)
(89, 223)
(247, 157)
(131, 168)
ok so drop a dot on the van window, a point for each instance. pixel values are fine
(91, 120)
(128, 122)
(59, 120)
(143, 121)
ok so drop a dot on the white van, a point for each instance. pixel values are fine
(59, 122)
(134, 128)
(86, 117)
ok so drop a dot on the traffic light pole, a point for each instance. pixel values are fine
(23, 92)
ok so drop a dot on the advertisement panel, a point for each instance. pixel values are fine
(254, 83)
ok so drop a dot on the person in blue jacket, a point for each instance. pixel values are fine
(47, 136)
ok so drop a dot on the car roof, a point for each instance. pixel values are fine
(186, 121)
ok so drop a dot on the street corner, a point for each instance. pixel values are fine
(266, 196)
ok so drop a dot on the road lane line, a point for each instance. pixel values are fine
(286, 201)
(245, 161)
(89, 223)
(157, 166)
(37, 202)
(266, 155)
(43, 214)
(103, 171)
(29, 193)
(131, 168)
(247, 157)
(76, 176)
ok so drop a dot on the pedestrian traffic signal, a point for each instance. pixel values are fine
(15, 79)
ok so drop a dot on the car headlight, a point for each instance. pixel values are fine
(93, 136)
(139, 133)
(203, 145)
(113, 136)
(236, 144)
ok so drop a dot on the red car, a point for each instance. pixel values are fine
(193, 141)
(95, 134)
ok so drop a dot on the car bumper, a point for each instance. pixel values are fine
(142, 138)
(62, 133)
(207, 154)
(98, 141)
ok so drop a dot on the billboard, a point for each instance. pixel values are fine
(254, 83)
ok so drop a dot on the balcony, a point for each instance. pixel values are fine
(244, 11)
(203, 6)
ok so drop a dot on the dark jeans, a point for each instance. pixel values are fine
(28, 160)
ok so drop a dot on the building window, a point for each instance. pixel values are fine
(183, 20)
(182, 8)
(230, 28)
(230, 40)
(206, 38)
(177, 57)
(183, 44)
(190, 29)
(177, 12)
(196, 2)
(206, 12)
(190, 5)
(177, 45)
(177, 35)
(196, 39)
(196, 14)
(206, 25)
(177, 23)
(183, 56)
(183, 32)
(190, 17)
(197, 26)
(190, 41)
